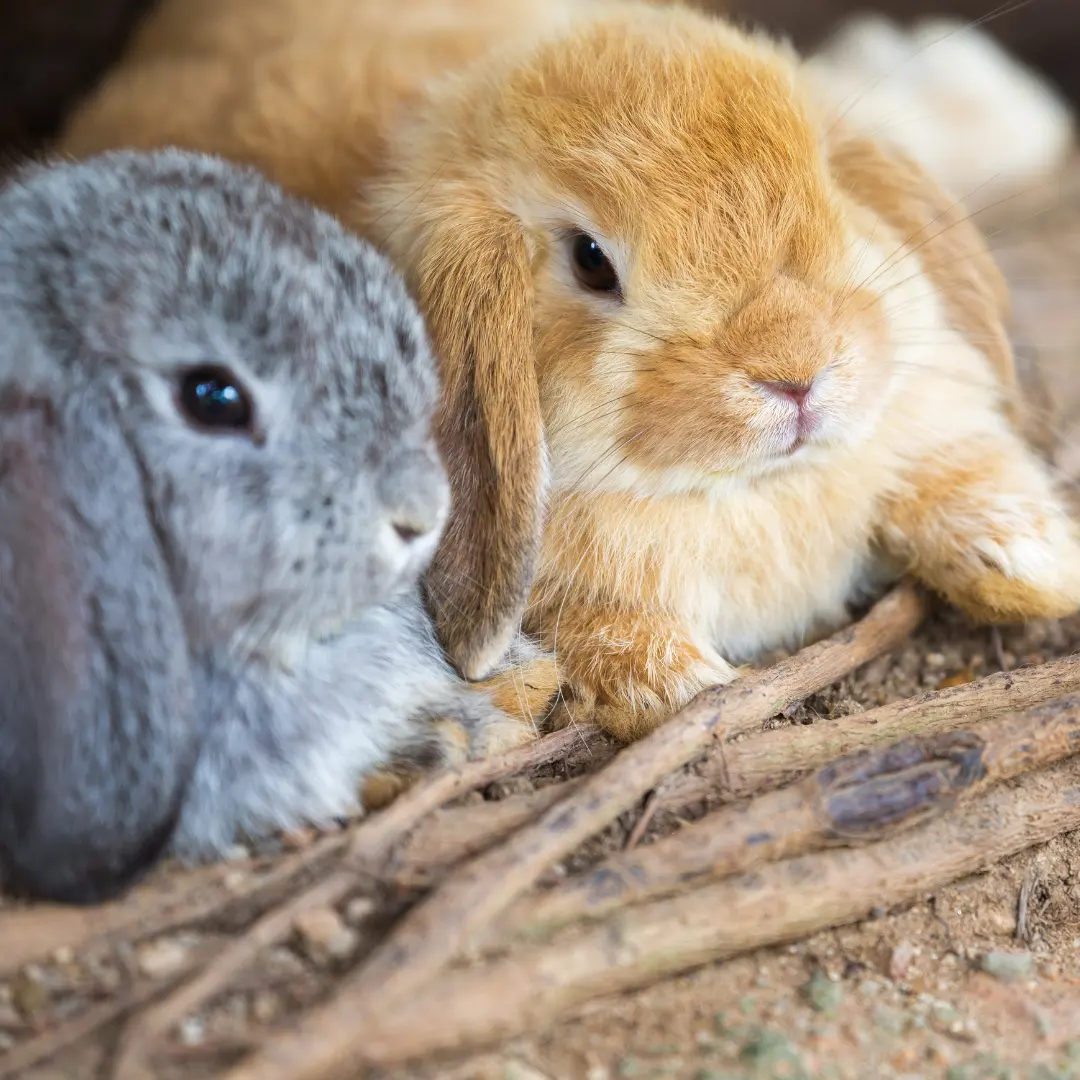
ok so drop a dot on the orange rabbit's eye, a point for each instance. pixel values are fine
(592, 267)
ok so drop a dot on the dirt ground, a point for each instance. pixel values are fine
(981, 980)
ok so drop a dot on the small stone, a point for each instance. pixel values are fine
(359, 909)
(598, 1072)
(6, 1041)
(822, 993)
(193, 1031)
(1002, 922)
(63, 955)
(518, 1070)
(946, 1018)
(324, 936)
(265, 1006)
(161, 958)
(935, 660)
(237, 853)
(629, 1066)
(891, 1021)
(901, 959)
(235, 881)
(1008, 966)
(28, 993)
(766, 1048)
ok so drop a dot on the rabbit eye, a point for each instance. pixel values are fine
(592, 267)
(213, 397)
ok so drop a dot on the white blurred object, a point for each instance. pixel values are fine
(977, 119)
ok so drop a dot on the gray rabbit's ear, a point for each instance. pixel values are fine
(98, 731)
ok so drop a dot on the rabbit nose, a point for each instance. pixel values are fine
(793, 391)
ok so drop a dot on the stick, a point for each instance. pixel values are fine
(448, 836)
(783, 902)
(776, 757)
(852, 801)
(766, 761)
(330, 1039)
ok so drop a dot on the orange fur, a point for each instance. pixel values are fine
(693, 521)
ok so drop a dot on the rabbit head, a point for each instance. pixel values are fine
(215, 439)
(635, 246)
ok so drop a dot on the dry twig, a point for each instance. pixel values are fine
(778, 903)
(777, 757)
(850, 801)
(330, 1039)
(766, 761)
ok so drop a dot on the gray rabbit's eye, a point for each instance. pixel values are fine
(592, 267)
(212, 397)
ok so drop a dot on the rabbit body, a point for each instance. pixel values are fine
(210, 618)
(715, 361)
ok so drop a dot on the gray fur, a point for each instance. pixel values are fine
(202, 632)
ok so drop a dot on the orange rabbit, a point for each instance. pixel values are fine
(713, 364)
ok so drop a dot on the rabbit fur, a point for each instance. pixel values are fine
(790, 382)
(206, 630)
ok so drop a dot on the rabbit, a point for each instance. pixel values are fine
(716, 361)
(218, 490)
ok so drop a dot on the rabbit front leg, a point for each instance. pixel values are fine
(981, 524)
(628, 671)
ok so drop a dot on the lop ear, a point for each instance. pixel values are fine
(97, 721)
(473, 279)
(954, 256)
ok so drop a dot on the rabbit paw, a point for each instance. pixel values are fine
(997, 542)
(525, 689)
(629, 673)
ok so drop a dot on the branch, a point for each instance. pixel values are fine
(777, 757)
(783, 902)
(332, 1037)
(852, 801)
(766, 761)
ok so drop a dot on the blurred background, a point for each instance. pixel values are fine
(51, 51)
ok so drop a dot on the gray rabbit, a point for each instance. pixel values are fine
(218, 491)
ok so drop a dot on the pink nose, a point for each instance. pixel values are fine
(794, 391)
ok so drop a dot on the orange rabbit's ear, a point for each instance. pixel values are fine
(932, 222)
(472, 276)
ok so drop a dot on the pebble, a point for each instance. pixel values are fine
(901, 959)
(193, 1031)
(161, 958)
(6, 1041)
(822, 993)
(891, 1021)
(265, 1006)
(324, 936)
(29, 994)
(1007, 966)
(1002, 921)
(766, 1048)
(518, 1070)
(359, 909)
